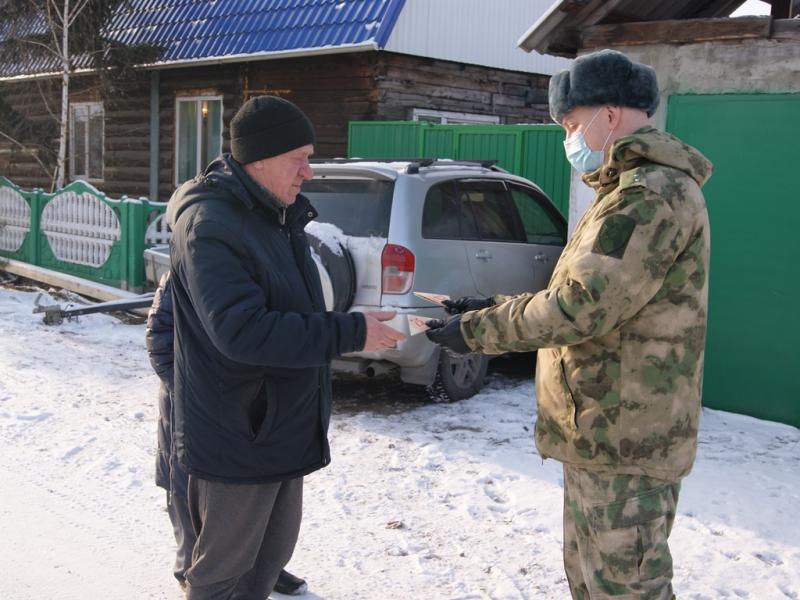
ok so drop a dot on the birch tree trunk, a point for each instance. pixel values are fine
(65, 68)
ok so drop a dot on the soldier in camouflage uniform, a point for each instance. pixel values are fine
(620, 331)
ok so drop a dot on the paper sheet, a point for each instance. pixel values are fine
(435, 298)
(416, 324)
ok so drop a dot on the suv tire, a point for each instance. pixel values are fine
(459, 376)
(341, 271)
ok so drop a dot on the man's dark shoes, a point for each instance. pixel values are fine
(290, 585)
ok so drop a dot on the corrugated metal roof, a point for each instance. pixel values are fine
(203, 29)
(557, 31)
(196, 30)
(476, 32)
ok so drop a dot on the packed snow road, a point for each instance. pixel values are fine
(421, 501)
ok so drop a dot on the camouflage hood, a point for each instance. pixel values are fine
(651, 145)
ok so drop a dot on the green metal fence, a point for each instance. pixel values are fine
(752, 358)
(532, 151)
(79, 231)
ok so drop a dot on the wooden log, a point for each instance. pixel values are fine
(786, 29)
(675, 32)
(437, 66)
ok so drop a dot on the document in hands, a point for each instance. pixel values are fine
(416, 324)
(435, 298)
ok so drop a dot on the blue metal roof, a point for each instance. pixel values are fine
(194, 30)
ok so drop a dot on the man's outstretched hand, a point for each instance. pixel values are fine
(447, 333)
(466, 304)
(380, 336)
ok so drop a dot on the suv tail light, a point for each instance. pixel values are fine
(397, 268)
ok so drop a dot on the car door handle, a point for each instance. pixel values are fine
(540, 257)
(483, 255)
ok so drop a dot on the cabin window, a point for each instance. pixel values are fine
(86, 141)
(198, 138)
(443, 117)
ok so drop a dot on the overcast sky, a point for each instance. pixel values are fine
(752, 7)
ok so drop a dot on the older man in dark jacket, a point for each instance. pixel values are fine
(253, 345)
(170, 475)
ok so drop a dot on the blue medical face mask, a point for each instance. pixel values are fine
(580, 156)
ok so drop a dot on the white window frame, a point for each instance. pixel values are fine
(199, 158)
(91, 106)
(455, 117)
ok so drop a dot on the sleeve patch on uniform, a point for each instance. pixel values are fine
(615, 233)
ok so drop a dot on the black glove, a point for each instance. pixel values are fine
(448, 334)
(466, 304)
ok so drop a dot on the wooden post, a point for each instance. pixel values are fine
(675, 31)
(781, 9)
(154, 135)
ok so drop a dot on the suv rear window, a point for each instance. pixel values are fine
(471, 209)
(359, 207)
(440, 217)
(543, 225)
(492, 209)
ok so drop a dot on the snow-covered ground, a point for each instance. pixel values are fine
(421, 501)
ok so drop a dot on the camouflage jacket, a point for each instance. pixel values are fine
(621, 328)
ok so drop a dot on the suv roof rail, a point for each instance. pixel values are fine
(345, 161)
(421, 163)
(415, 164)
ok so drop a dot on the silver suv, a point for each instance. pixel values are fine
(388, 229)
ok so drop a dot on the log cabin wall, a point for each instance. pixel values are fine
(126, 126)
(126, 146)
(339, 88)
(332, 89)
(409, 82)
(38, 102)
(219, 80)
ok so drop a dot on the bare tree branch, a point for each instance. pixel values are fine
(76, 11)
(51, 24)
(45, 101)
(58, 35)
(39, 44)
(57, 10)
(30, 151)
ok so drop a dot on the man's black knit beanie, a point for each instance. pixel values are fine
(266, 126)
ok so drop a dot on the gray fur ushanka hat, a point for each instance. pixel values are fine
(603, 78)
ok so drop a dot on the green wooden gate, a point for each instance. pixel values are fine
(752, 356)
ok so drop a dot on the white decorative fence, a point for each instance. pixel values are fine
(78, 230)
(157, 232)
(15, 219)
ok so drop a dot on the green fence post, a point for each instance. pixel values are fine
(517, 169)
(33, 253)
(134, 226)
(421, 139)
(122, 210)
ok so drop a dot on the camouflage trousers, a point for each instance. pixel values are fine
(615, 535)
